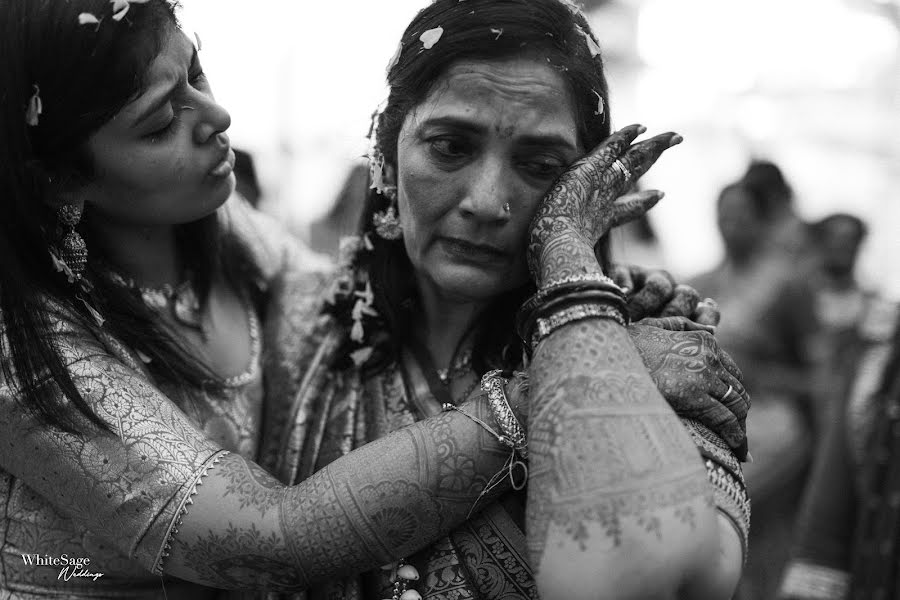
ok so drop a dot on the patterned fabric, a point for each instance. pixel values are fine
(317, 414)
(113, 498)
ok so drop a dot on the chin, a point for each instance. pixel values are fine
(475, 285)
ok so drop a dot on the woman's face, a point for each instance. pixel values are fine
(164, 159)
(490, 134)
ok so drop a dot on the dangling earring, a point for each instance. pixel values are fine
(72, 249)
(387, 222)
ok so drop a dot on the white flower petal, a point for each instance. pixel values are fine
(87, 18)
(431, 37)
(361, 356)
(395, 58)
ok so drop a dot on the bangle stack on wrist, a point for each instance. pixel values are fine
(724, 473)
(563, 301)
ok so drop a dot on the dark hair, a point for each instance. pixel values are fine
(819, 229)
(85, 75)
(548, 29)
(766, 179)
(760, 203)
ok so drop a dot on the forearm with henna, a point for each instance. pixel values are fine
(381, 502)
(611, 467)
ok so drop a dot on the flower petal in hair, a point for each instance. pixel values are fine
(593, 48)
(497, 32)
(600, 105)
(120, 7)
(431, 37)
(35, 107)
(87, 18)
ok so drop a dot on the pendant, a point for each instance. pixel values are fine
(186, 307)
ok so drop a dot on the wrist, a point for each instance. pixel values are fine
(565, 253)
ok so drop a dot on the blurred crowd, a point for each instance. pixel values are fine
(803, 330)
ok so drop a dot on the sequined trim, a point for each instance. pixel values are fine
(182, 510)
(713, 447)
(810, 581)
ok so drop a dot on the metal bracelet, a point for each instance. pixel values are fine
(494, 385)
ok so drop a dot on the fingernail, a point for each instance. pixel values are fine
(660, 194)
(676, 139)
(626, 290)
(749, 457)
(641, 129)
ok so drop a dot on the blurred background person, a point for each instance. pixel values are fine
(767, 324)
(846, 544)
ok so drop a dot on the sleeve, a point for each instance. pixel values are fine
(127, 485)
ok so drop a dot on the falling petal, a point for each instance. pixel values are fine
(367, 242)
(197, 43)
(431, 37)
(361, 356)
(497, 32)
(87, 18)
(119, 5)
(396, 58)
(144, 358)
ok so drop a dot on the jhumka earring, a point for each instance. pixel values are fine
(72, 249)
(387, 222)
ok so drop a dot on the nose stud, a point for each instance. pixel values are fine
(506, 208)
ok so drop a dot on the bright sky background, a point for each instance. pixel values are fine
(812, 84)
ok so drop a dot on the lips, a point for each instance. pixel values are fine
(224, 166)
(472, 251)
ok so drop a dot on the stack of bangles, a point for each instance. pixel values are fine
(726, 476)
(570, 299)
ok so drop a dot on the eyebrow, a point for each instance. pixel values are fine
(540, 139)
(165, 96)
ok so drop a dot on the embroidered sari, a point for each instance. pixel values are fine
(317, 414)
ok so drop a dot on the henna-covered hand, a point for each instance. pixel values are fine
(584, 203)
(697, 378)
(654, 293)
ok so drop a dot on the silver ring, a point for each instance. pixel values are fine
(620, 168)
(506, 207)
(730, 389)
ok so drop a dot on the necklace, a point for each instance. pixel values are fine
(180, 301)
(459, 368)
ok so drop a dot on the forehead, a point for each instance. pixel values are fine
(516, 95)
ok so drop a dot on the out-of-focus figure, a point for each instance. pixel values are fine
(844, 308)
(768, 324)
(846, 543)
(343, 217)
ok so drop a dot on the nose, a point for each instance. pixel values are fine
(488, 192)
(214, 120)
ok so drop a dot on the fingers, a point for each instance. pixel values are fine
(632, 206)
(594, 165)
(639, 157)
(683, 302)
(676, 324)
(621, 275)
(707, 312)
(722, 421)
(649, 300)
(730, 366)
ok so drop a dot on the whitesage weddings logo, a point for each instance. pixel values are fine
(70, 566)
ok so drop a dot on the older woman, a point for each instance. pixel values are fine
(490, 102)
(131, 396)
